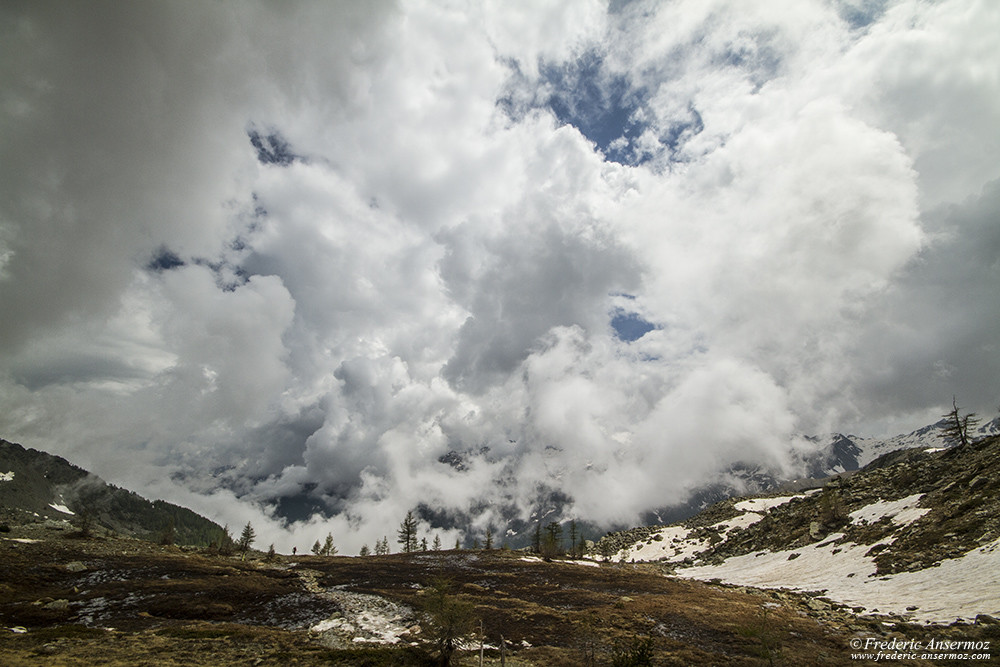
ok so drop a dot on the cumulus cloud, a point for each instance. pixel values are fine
(318, 264)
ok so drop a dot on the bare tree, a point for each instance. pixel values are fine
(956, 427)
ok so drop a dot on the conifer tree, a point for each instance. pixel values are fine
(489, 539)
(317, 548)
(246, 539)
(364, 550)
(437, 542)
(328, 548)
(552, 546)
(407, 533)
(423, 544)
(956, 426)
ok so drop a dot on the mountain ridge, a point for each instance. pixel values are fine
(38, 487)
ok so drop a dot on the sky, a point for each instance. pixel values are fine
(313, 264)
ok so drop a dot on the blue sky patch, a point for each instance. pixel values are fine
(629, 326)
(864, 15)
(602, 105)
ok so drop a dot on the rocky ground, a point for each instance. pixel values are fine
(65, 600)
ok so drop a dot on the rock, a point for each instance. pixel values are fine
(75, 566)
(58, 604)
(815, 530)
(817, 605)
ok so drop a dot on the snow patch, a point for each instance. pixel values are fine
(7, 476)
(903, 512)
(22, 540)
(741, 521)
(674, 544)
(957, 589)
(61, 508)
(763, 504)
(365, 619)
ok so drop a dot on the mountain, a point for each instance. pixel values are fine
(841, 452)
(915, 534)
(36, 487)
(834, 454)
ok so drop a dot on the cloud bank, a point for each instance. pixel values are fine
(317, 264)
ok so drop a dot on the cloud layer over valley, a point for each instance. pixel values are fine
(313, 264)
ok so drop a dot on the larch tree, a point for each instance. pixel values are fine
(246, 539)
(407, 533)
(956, 426)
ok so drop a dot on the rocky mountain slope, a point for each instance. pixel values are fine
(915, 533)
(39, 487)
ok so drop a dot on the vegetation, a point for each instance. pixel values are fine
(406, 536)
(552, 544)
(633, 653)
(957, 426)
(449, 618)
(832, 510)
(766, 637)
(170, 607)
(328, 549)
(382, 547)
(247, 538)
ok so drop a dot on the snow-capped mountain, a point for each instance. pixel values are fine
(851, 452)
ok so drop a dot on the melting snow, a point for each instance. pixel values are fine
(957, 589)
(763, 504)
(903, 512)
(61, 508)
(675, 543)
(365, 618)
(6, 476)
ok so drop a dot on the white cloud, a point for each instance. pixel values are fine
(434, 273)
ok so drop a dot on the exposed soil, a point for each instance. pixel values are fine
(115, 601)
